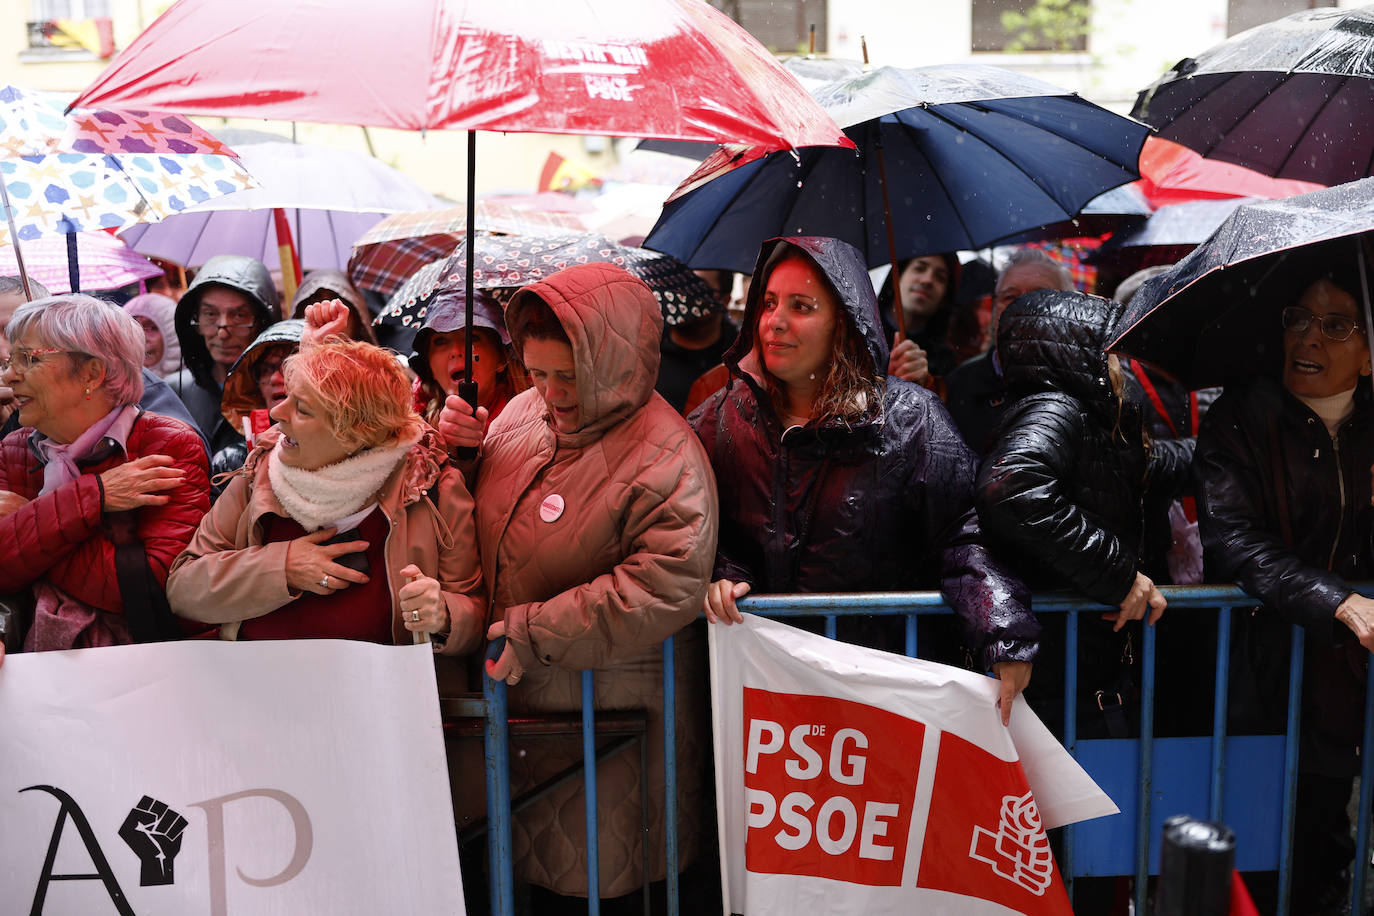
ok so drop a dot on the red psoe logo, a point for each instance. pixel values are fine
(983, 835)
(830, 786)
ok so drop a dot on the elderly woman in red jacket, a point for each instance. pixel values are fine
(96, 496)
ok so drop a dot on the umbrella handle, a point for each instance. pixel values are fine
(467, 390)
(14, 239)
(1362, 247)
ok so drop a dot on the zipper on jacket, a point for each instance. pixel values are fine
(1340, 518)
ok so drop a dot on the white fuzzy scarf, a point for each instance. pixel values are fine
(318, 498)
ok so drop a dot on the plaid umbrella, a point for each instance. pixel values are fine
(509, 262)
(393, 250)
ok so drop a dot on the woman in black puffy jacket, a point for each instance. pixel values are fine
(1063, 487)
(836, 477)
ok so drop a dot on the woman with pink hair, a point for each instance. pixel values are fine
(345, 522)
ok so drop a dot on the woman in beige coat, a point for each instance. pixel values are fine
(346, 521)
(596, 515)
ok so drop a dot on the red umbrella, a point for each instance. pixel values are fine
(670, 69)
(1174, 174)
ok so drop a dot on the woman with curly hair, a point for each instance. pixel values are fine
(834, 476)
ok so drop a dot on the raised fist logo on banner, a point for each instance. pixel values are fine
(153, 831)
(1019, 851)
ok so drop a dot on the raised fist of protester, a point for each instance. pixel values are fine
(324, 320)
(310, 565)
(720, 601)
(421, 602)
(140, 482)
(1013, 678)
(908, 361)
(460, 425)
(11, 503)
(1143, 598)
(153, 831)
(506, 668)
(1357, 613)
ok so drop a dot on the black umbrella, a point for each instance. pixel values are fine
(1292, 98)
(1116, 211)
(1214, 317)
(1166, 237)
(971, 153)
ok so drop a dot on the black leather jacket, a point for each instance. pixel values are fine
(1252, 433)
(885, 504)
(1064, 484)
(1261, 448)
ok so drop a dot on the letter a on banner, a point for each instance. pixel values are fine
(881, 784)
(70, 809)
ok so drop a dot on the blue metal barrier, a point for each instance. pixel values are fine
(1149, 778)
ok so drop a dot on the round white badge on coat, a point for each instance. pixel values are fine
(551, 509)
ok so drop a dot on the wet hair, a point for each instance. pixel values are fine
(1346, 278)
(850, 393)
(537, 321)
(88, 328)
(360, 389)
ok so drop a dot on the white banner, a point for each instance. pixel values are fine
(853, 782)
(205, 777)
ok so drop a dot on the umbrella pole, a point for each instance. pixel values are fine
(898, 315)
(73, 264)
(467, 388)
(14, 239)
(1362, 248)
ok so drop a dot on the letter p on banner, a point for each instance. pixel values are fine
(833, 802)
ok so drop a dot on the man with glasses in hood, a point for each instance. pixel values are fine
(231, 301)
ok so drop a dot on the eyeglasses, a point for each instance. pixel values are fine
(237, 324)
(1334, 327)
(265, 369)
(22, 359)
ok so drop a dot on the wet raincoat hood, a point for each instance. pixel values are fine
(336, 282)
(1052, 340)
(614, 324)
(843, 267)
(241, 392)
(241, 274)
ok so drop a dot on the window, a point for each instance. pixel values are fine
(781, 26)
(70, 28)
(1030, 25)
(1246, 14)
